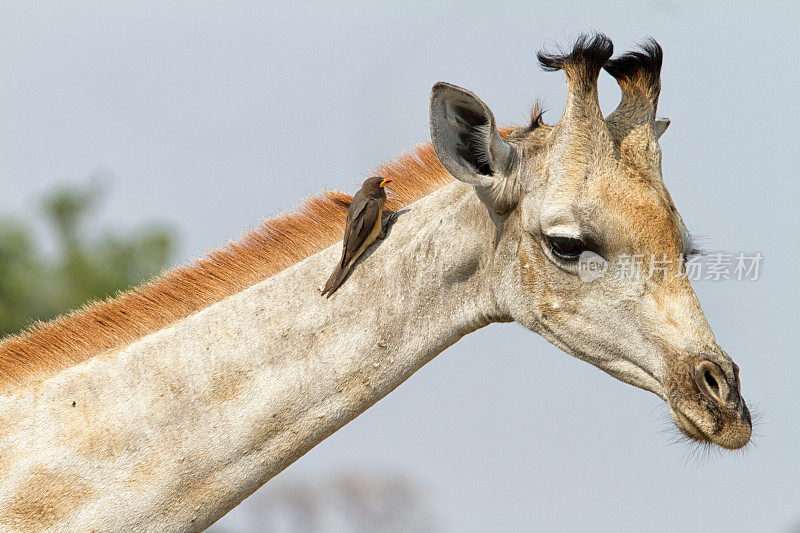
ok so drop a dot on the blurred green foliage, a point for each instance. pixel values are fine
(86, 263)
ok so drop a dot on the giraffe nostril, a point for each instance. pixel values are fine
(710, 381)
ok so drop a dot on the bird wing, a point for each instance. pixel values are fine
(361, 218)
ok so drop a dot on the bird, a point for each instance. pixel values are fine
(362, 227)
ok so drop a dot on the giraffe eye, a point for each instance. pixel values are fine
(566, 248)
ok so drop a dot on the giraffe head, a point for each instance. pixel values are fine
(589, 247)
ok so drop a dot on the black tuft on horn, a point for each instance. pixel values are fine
(536, 117)
(590, 53)
(645, 62)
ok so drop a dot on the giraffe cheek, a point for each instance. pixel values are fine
(529, 268)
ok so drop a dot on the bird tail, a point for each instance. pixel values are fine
(335, 280)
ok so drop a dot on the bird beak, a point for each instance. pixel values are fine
(385, 181)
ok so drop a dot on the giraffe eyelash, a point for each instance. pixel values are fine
(695, 250)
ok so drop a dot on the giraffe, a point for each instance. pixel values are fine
(166, 406)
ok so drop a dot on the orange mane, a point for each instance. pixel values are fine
(46, 348)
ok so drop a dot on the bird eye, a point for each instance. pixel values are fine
(566, 248)
(376, 183)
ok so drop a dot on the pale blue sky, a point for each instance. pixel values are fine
(213, 115)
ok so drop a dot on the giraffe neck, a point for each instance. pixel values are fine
(179, 427)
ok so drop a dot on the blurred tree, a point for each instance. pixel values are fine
(351, 501)
(86, 265)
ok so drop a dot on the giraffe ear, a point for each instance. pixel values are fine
(467, 143)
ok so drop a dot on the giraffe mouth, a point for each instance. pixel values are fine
(730, 431)
(688, 427)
